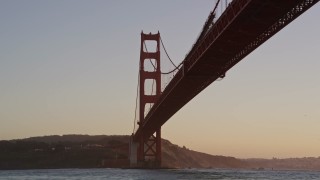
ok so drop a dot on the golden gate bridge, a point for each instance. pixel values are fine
(232, 30)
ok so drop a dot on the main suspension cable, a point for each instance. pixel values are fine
(167, 53)
(175, 67)
(205, 28)
(173, 70)
(216, 6)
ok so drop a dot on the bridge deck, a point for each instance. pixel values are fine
(243, 27)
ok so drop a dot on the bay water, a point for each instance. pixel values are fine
(160, 174)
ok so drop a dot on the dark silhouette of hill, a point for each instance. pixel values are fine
(76, 138)
(86, 151)
(67, 151)
(173, 155)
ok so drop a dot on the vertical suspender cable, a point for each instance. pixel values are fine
(135, 109)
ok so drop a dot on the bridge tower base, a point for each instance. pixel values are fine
(133, 147)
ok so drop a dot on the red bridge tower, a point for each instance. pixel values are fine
(148, 151)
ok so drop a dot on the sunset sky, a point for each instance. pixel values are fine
(71, 67)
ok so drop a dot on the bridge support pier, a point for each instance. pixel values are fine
(146, 152)
(149, 151)
(133, 147)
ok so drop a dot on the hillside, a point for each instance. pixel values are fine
(67, 151)
(181, 157)
(84, 151)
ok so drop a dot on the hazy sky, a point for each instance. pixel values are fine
(70, 67)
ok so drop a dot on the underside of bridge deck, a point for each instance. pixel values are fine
(244, 26)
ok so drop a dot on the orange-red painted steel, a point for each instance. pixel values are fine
(244, 26)
(149, 147)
